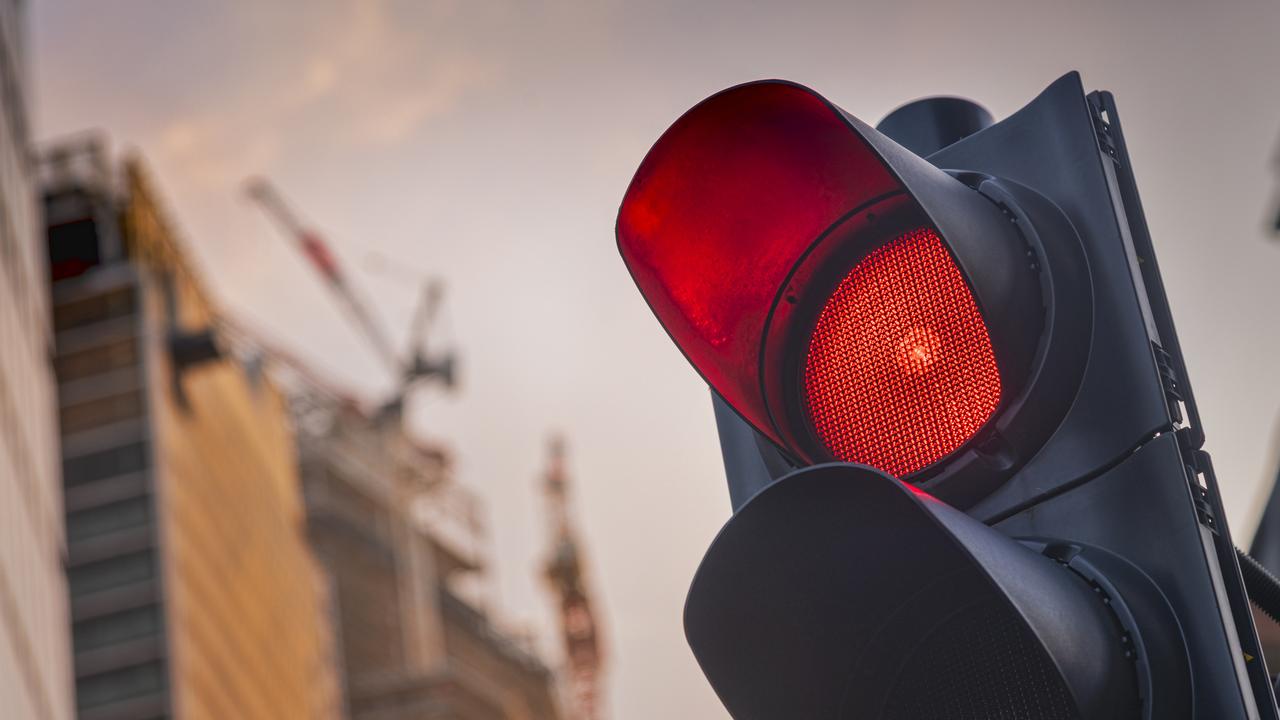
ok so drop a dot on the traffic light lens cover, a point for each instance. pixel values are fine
(900, 370)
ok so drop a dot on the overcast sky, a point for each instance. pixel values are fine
(490, 143)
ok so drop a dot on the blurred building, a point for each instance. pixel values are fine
(194, 593)
(401, 540)
(35, 655)
(399, 537)
(238, 551)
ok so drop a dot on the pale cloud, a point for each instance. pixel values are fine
(212, 156)
(321, 76)
(180, 137)
(353, 75)
(400, 115)
(390, 77)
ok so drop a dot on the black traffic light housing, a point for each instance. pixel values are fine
(887, 603)
(1089, 474)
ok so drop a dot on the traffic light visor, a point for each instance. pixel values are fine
(722, 210)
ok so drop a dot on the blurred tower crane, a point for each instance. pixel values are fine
(417, 364)
(1275, 208)
(564, 571)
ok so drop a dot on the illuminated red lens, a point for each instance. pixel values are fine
(900, 370)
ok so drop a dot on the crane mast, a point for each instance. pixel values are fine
(564, 571)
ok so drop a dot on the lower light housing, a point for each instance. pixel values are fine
(837, 592)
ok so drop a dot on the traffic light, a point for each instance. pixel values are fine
(964, 456)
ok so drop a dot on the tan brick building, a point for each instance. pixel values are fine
(194, 593)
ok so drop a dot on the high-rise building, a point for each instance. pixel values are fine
(194, 592)
(35, 654)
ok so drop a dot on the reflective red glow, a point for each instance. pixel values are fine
(724, 206)
(900, 371)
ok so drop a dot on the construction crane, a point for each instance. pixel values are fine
(579, 631)
(416, 364)
(1275, 212)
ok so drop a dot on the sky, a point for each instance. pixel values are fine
(489, 144)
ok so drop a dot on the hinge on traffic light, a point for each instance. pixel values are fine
(1169, 381)
(1102, 128)
(1199, 476)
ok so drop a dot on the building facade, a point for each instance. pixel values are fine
(401, 541)
(194, 593)
(35, 654)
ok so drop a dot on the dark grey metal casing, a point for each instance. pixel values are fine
(928, 125)
(1124, 470)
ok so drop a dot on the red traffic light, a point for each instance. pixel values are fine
(848, 299)
(989, 324)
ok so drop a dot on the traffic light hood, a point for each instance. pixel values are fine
(848, 299)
